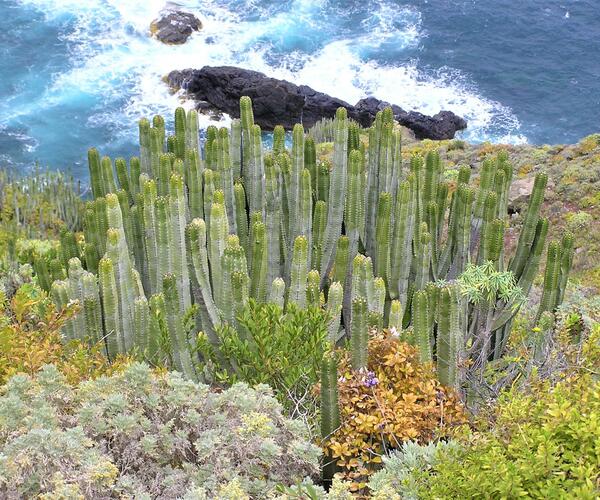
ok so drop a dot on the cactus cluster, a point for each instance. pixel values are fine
(198, 229)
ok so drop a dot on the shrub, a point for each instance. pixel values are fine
(34, 207)
(283, 350)
(396, 399)
(541, 444)
(456, 144)
(406, 470)
(136, 434)
(30, 338)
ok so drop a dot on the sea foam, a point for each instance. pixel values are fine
(350, 51)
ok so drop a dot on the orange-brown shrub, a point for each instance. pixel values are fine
(398, 399)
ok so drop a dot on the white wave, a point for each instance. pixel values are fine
(113, 57)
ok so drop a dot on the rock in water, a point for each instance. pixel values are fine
(440, 126)
(174, 27)
(278, 102)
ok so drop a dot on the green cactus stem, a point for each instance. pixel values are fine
(359, 337)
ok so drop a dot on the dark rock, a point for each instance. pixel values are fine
(278, 102)
(442, 125)
(174, 27)
(275, 102)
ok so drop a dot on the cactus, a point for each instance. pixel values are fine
(395, 318)
(330, 411)
(277, 294)
(359, 338)
(68, 246)
(405, 215)
(382, 236)
(334, 307)
(318, 233)
(375, 232)
(200, 275)
(273, 221)
(110, 306)
(313, 290)
(299, 272)
(258, 266)
(527, 236)
(180, 352)
(551, 279)
(422, 325)
(178, 213)
(448, 336)
(337, 191)
(141, 323)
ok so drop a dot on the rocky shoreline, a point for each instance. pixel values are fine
(279, 102)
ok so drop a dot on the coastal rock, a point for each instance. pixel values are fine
(278, 102)
(174, 27)
(275, 102)
(440, 126)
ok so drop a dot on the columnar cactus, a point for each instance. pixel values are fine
(110, 303)
(421, 325)
(337, 191)
(334, 308)
(448, 336)
(299, 272)
(180, 350)
(330, 411)
(360, 334)
(226, 222)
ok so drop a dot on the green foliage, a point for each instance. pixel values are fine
(486, 284)
(270, 346)
(139, 435)
(30, 338)
(407, 470)
(542, 444)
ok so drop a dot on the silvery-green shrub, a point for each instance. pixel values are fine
(144, 435)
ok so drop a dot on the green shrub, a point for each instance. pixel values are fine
(542, 445)
(140, 435)
(268, 346)
(456, 144)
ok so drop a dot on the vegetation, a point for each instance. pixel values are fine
(392, 400)
(30, 338)
(240, 223)
(414, 309)
(136, 434)
(268, 346)
(541, 445)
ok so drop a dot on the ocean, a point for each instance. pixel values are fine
(80, 73)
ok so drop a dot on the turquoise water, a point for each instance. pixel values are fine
(80, 73)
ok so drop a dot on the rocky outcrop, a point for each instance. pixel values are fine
(278, 102)
(174, 27)
(442, 125)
